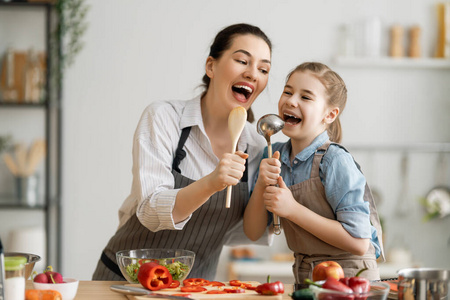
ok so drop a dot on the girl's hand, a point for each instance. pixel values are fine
(279, 199)
(269, 170)
(229, 170)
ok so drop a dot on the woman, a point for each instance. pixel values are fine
(182, 161)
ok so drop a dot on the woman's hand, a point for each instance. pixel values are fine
(229, 170)
(279, 199)
(269, 170)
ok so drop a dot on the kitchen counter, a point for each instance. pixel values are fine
(98, 290)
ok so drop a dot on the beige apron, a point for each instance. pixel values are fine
(310, 250)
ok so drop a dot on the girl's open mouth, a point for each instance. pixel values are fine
(291, 119)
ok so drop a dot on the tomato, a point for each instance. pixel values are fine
(174, 284)
(195, 282)
(192, 289)
(154, 277)
(216, 292)
(234, 290)
(216, 283)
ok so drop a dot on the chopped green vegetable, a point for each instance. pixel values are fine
(177, 269)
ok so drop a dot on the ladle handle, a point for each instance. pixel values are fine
(276, 219)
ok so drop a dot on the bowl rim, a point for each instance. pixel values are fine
(33, 257)
(188, 253)
(386, 289)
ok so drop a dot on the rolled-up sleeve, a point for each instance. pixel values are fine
(344, 187)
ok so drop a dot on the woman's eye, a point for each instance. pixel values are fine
(241, 61)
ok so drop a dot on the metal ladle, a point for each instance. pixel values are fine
(267, 126)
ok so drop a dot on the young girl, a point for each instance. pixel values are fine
(326, 208)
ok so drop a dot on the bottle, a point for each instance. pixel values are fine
(396, 49)
(14, 284)
(414, 42)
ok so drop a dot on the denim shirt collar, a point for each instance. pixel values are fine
(305, 153)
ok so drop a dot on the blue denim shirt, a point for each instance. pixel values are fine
(343, 181)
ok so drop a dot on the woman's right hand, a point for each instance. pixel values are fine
(229, 170)
(269, 170)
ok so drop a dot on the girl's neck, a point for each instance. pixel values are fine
(298, 145)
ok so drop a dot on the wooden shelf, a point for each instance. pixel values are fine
(391, 62)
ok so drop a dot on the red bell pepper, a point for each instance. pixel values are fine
(195, 282)
(154, 276)
(332, 283)
(270, 288)
(357, 284)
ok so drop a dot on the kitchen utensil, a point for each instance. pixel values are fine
(131, 290)
(423, 283)
(2, 272)
(129, 261)
(32, 259)
(438, 198)
(267, 126)
(236, 122)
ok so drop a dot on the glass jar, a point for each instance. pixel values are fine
(14, 285)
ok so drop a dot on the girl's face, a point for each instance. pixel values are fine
(241, 73)
(304, 107)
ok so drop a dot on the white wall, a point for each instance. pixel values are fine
(141, 51)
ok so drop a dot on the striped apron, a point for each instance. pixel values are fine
(204, 234)
(310, 250)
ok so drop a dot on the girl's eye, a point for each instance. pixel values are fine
(264, 71)
(287, 93)
(306, 98)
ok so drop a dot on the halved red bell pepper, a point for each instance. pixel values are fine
(270, 288)
(154, 276)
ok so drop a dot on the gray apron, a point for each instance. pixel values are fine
(310, 250)
(203, 234)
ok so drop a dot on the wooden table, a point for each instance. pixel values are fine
(99, 290)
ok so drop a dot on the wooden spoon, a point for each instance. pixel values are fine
(236, 123)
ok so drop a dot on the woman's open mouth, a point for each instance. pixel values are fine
(242, 92)
(291, 119)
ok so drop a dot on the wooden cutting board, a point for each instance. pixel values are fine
(248, 295)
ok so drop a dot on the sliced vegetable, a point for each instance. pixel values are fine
(174, 284)
(192, 289)
(195, 282)
(235, 290)
(216, 292)
(216, 283)
(154, 276)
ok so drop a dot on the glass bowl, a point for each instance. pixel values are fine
(32, 259)
(179, 262)
(378, 291)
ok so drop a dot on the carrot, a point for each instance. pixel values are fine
(42, 295)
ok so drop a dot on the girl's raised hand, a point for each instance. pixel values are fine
(229, 170)
(279, 199)
(269, 170)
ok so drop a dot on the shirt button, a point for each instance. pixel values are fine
(295, 162)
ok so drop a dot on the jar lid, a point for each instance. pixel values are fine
(13, 263)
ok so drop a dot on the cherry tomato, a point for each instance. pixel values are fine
(195, 282)
(192, 289)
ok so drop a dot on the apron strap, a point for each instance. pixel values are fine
(111, 265)
(180, 153)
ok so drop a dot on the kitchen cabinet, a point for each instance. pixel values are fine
(392, 62)
(28, 25)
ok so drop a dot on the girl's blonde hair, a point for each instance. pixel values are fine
(336, 92)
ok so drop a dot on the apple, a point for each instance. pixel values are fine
(327, 269)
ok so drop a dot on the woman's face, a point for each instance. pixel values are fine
(241, 73)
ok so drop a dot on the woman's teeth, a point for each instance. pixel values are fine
(243, 89)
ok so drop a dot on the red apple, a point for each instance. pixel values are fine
(327, 269)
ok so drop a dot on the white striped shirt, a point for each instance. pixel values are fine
(156, 138)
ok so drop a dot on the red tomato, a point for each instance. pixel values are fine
(192, 289)
(216, 283)
(154, 277)
(234, 290)
(195, 282)
(174, 284)
(216, 292)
